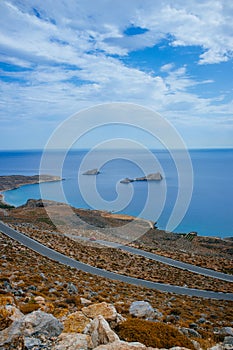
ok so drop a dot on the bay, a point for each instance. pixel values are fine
(210, 211)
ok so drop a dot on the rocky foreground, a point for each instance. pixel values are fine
(45, 305)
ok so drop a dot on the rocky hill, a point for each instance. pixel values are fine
(46, 305)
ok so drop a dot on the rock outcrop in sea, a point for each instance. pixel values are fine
(91, 172)
(150, 177)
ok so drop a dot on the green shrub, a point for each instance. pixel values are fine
(155, 334)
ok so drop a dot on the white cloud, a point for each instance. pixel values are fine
(67, 51)
(61, 33)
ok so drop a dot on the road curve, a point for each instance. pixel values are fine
(65, 260)
(168, 261)
(179, 264)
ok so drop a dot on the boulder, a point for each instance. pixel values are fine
(100, 332)
(13, 313)
(228, 342)
(142, 309)
(217, 347)
(73, 341)
(227, 331)
(39, 300)
(108, 311)
(75, 323)
(31, 343)
(37, 322)
(85, 301)
(190, 332)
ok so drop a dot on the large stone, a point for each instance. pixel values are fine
(75, 323)
(31, 343)
(85, 302)
(227, 331)
(37, 322)
(14, 314)
(108, 311)
(121, 345)
(73, 341)
(228, 342)
(217, 347)
(142, 309)
(100, 332)
(190, 332)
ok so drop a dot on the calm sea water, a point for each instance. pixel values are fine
(210, 211)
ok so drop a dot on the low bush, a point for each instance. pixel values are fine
(155, 334)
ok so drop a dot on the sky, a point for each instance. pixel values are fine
(172, 56)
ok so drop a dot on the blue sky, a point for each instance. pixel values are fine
(172, 56)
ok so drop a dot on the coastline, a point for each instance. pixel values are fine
(36, 179)
(9, 183)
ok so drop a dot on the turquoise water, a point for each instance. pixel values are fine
(210, 211)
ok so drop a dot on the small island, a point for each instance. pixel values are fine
(91, 172)
(150, 177)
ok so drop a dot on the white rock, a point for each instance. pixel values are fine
(37, 322)
(121, 345)
(73, 341)
(108, 311)
(100, 332)
(141, 309)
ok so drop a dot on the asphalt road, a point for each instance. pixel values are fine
(168, 261)
(65, 260)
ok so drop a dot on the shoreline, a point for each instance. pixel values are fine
(26, 180)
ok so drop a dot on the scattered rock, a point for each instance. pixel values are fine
(14, 314)
(217, 347)
(142, 309)
(100, 332)
(108, 311)
(37, 322)
(39, 300)
(228, 342)
(71, 288)
(76, 323)
(73, 341)
(227, 331)
(196, 345)
(190, 332)
(121, 345)
(85, 301)
(193, 326)
(30, 342)
(32, 288)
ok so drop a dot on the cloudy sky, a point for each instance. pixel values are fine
(172, 56)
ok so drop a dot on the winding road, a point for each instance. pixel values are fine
(65, 260)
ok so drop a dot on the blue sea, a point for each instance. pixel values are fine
(210, 211)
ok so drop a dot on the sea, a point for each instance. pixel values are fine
(203, 197)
